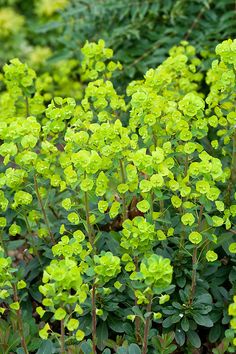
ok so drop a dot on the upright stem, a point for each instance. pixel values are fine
(194, 262)
(35, 249)
(122, 170)
(233, 168)
(27, 106)
(3, 243)
(151, 205)
(232, 180)
(94, 318)
(182, 232)
(19, 321)
(154, 138)
(91, 237)
(146, 328)
(62, 337)
(161, 203)
(186, 165)
(194, 276)
(89, 226)
(137, 322)
(43, 209)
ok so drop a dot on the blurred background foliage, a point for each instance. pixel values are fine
(140, 31)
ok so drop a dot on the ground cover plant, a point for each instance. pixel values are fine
(118, 208)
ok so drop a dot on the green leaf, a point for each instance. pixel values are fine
(46, 347)
(194, 339)
(134, 349)
(20, 351)
(102, 335)
(137, 311)
(180, 337)
(185, 324)
(204, 299)
(170, 349)
(86, 347)
(122, 350)
(215, 333)
(175, 318)
(167, 322)
(202, 320)
(168, 338)
(115, 324)
(106, 351)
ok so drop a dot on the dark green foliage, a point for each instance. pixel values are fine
(141, 32)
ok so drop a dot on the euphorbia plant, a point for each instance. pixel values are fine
(9, 294)
(156, 274)
(120, 201)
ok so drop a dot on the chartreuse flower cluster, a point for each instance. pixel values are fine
(61, 278)
(122, 201)
(156, 274)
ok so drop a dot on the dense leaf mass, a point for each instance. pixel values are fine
(117, 176)
(118, 205)
(141, 32)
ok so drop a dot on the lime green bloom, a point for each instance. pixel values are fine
(163, 299)
(202, 187)
(195, 237)
(176, 201)
(156, 273)
(191, 104)
(211, 256)
(232, 247)
(108, 266)
(143, 206)
(188, 219)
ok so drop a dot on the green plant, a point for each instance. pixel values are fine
(118, 212)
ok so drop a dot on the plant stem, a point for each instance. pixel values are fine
(232, 179)
(204, 8)
(27, 106)
(62, 337)
(19, 321)
(43, 209)
(122, 170)
(162, 206)
(89, 226)
(194, 276)
(146, 328)
(186, 165)
(94, 318)
(137, 322)
(3, 243)
(35, 249)
(195, 262)
(182, 232)
(151, 206)
(91, 237)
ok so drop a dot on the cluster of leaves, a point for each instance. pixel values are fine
(118, 209)
(141, 31)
